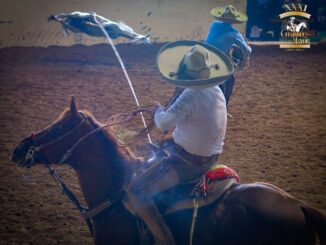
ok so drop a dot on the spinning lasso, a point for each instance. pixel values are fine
(96, 25)
(124, 71)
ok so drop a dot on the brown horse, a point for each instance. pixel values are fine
(253, 213)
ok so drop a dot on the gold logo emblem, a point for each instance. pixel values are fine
(295, 26)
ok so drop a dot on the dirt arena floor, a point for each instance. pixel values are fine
(277, 133)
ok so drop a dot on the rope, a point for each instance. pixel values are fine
(124, 71)
(113, 120)
(194, 217)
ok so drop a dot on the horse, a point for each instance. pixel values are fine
(301, 27)
(253, 213)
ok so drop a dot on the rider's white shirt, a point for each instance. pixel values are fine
(199, 117)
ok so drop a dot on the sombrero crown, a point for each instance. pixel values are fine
(193, 64)
(229, 13)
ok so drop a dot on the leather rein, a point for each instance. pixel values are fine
(86, 213)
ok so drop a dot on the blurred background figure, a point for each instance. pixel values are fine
(229, 40)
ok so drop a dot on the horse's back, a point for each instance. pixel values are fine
(270, 202)
(264, 197)
(265, 214)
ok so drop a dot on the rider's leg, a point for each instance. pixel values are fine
(228, 88)
(160, 177)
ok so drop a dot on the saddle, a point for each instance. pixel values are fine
(205, 190)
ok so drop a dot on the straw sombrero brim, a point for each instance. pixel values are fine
(218, 12)
(171, 54)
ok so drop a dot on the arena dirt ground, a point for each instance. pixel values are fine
(277, 133)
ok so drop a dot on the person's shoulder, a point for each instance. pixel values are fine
(210, 94)
(186, 98)
(222, 26)
(238, 34)
(232, 28)
(189, 91)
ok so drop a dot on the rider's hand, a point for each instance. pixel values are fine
(157, 106)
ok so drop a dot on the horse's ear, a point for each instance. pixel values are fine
(73, 106)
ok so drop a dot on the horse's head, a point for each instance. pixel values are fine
(304, 25)
(50, 144)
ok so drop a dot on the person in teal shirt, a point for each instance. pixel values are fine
(223, 36)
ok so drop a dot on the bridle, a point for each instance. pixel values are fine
(86, 213)
(34, 149)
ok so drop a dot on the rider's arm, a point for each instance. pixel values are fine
(241, 42)
(180, 109)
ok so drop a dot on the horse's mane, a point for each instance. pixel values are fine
(119, 155)
(110, 138)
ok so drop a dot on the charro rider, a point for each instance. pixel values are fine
(291, 24)
(199, 119)
(229, 40)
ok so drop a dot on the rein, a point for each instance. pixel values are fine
(72, 197)
(113, 120)
(85, 212)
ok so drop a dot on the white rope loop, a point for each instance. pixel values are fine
(124, 70)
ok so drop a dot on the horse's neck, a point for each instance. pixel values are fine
(101, 171)
(298, 27)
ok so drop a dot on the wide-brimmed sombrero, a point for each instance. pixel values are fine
(229, 13)
(193, 64)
